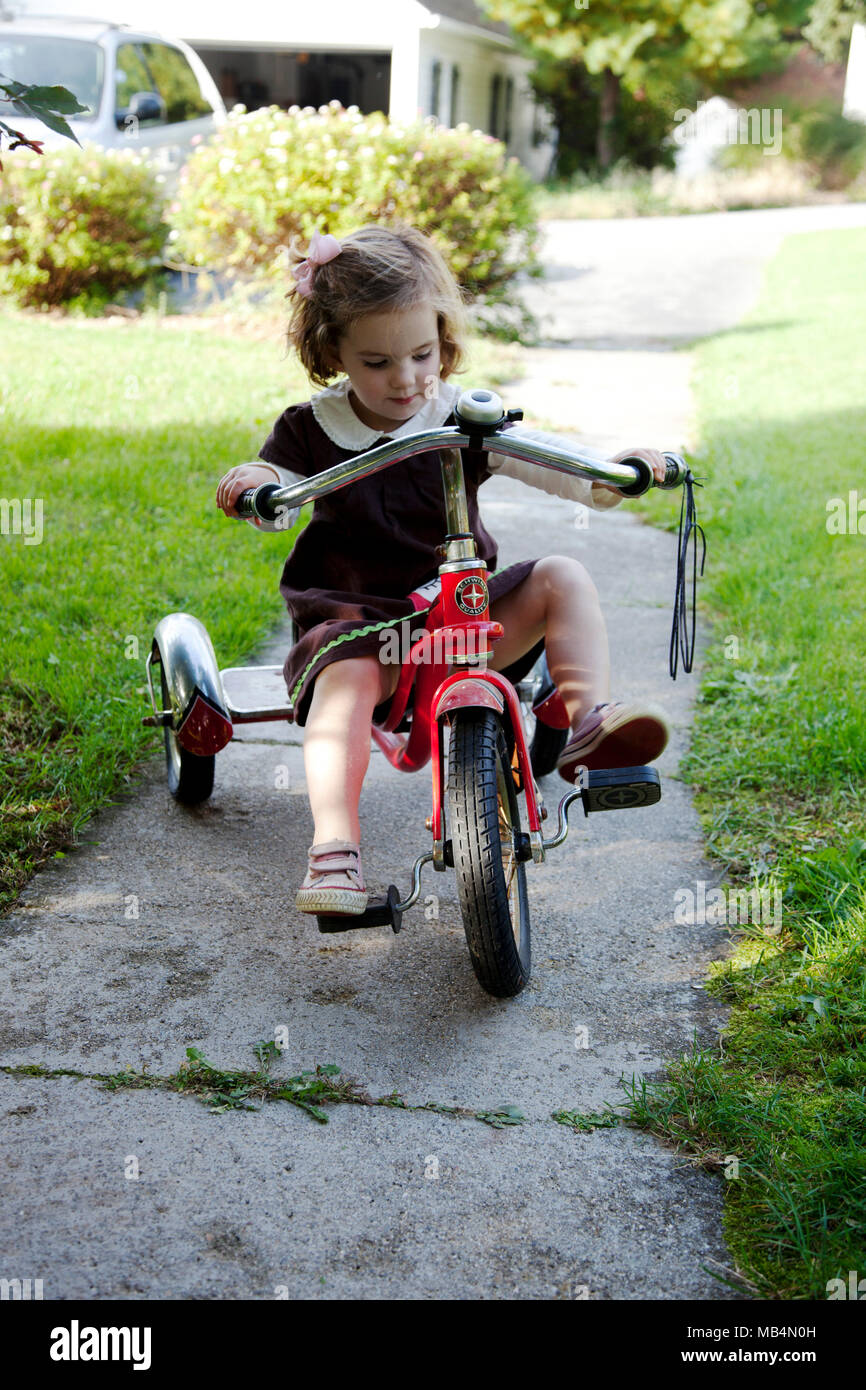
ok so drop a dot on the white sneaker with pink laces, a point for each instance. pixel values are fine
(334, 883)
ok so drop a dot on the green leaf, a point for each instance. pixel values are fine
(586, 1123)
(512, 1112)
(47, 118)
(505, 1115)
(315, 1110)
(818, 1003)
(54, 99)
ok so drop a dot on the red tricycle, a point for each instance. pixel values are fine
(449, 707)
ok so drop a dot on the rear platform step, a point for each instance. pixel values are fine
(618, 788)
(380, 912)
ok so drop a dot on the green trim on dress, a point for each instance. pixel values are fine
(363, 632)
(350, 637)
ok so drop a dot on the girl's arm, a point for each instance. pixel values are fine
(598, 496)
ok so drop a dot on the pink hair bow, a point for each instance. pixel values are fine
(322, 248)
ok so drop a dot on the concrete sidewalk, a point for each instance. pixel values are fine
(172, 928)
(383, 1202)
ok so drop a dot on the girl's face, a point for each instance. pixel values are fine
(392, 361)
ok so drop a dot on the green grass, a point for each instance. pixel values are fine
(123, 430)
(778, 761)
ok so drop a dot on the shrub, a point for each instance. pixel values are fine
(833, 147)
(79, 225)
(269, 175)
(828, 149)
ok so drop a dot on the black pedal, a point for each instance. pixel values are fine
(619, 788)
(380, 912)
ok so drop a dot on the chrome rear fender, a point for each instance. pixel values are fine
(200, 716)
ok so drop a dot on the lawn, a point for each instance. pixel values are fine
(778, 761)
(122, 430)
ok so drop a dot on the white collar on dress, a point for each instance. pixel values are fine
(333, 411)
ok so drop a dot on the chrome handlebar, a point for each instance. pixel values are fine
(480, 414)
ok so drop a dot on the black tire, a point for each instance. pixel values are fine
(190, 778)
(484, 824)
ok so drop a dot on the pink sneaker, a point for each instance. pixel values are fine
(334, 883)
(615, 735)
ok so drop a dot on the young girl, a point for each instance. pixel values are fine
(382, 307)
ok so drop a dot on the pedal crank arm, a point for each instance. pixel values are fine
(562, 818)
(416, 880)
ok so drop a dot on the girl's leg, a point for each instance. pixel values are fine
(337, 742)
(559, 602)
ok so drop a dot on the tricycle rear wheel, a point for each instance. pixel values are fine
(486, 842)
(190, 778)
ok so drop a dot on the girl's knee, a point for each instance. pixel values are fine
(563, 571)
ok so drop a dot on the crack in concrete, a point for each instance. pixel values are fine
(267, 1088)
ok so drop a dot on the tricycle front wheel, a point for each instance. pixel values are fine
(486, 843)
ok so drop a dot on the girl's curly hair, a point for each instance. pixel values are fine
(379, 268)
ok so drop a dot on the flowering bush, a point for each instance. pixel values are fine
(78, 225)
(270, 174)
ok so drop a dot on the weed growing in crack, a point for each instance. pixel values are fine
(222, 1090)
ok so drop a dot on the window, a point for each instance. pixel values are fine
(454, 105)
(50, 62)
(175, 82)
(540, 131)
(130, 76)
(436, 88)
(509, 109)
(495, 103)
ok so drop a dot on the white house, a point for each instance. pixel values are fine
(407, 59)
(854, 105)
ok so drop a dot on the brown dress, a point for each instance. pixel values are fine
(346, 582)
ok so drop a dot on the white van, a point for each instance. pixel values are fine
(142, 91)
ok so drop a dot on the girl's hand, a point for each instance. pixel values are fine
(651, 456)
(237, 480)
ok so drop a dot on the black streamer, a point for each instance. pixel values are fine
(683, 629)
